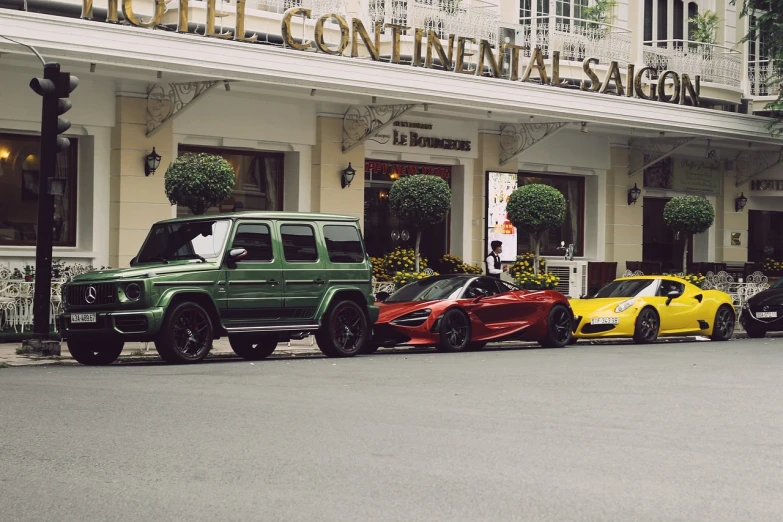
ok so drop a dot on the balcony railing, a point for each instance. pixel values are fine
(318, 7)
(761, 79)
(474, 18)
(714, 63)
(576, 39)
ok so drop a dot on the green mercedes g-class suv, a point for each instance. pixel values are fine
(259, 278)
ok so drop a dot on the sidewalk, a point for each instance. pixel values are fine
(134, 352)
(137, 352)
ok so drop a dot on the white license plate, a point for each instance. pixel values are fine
(766, 315)
(83, 318)
(604, 320)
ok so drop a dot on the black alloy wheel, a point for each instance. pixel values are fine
(454, 332)
(648, 325)
(560, 322)
(723, 328)
(95, 352)
(187, 334)
(344, 330)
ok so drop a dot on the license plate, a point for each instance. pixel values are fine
(766, 315)
(604, 320)
(83, 318)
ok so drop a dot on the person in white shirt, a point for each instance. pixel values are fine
(494, 268)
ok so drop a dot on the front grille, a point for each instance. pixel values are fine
(91, 295)
(131, 323)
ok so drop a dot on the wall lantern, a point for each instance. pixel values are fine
(57, 187)
(347, 176)
(633, 194)
(151, 162)
(740, 202)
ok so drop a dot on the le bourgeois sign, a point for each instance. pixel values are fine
(681, 89)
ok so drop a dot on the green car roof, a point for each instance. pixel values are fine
(293, 216)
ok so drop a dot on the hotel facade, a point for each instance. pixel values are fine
(488, 97)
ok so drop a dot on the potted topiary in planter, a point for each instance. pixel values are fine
(420, 201)
(534, 209)
(688, 215)
(199, 181)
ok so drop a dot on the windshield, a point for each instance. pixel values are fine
(628, 288)
(185, 240)
(430, 289)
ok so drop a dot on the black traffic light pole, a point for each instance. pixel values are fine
(52, 88)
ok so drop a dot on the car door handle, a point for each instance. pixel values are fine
(273, 282)
(319, 281)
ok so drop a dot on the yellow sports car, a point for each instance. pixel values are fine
(646, 307)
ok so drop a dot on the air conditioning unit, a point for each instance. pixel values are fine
(572, 274)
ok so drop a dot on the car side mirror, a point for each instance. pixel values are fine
(382, 296)
(237, 254)
(674, 294)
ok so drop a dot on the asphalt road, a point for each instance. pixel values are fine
(674, 431)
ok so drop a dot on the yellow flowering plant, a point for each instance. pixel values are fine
(772, 266)
(524, 265)
(403, 278)
(402, 260)
(694, 279)
(540, 281)
(451, 264)
(379, 269)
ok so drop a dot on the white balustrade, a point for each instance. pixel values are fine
(714, 63)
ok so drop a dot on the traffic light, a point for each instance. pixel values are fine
(54, 87)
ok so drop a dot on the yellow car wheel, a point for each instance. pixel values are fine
(647, 326)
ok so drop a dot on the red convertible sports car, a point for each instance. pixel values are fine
(461, 312)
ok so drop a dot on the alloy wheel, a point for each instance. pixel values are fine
(347, 327)
(455, 330)
(191, 333)
(649, 325)
(560, 325)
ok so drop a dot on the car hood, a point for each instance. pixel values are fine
(773, 296)
(590, 306)
(146, 270)
(390, 311)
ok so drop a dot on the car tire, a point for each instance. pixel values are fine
(755, 333)
(344, 330)
(187, 334)
(253, 349)
(95, 353)
(454, 332)
(725, 320)
(369, 348)
(474, 347)
(559, 324)
(573, 340)
(648, 324)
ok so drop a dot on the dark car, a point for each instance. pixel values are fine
(764, 312)
(462, 312)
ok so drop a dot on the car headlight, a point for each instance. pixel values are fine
(133, 291)
(625, 305)
(417, 318)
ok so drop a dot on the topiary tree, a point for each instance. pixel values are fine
(535, 209)
(688, 215)
(199, 181)
(421, 201)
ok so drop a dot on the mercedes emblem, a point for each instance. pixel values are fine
(90, 295)
(766, 308)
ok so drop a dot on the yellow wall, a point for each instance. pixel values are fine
(623, 221)
(137, 201)
(327, 195)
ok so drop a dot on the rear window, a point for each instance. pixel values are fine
(343, 244)
(299, 243)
